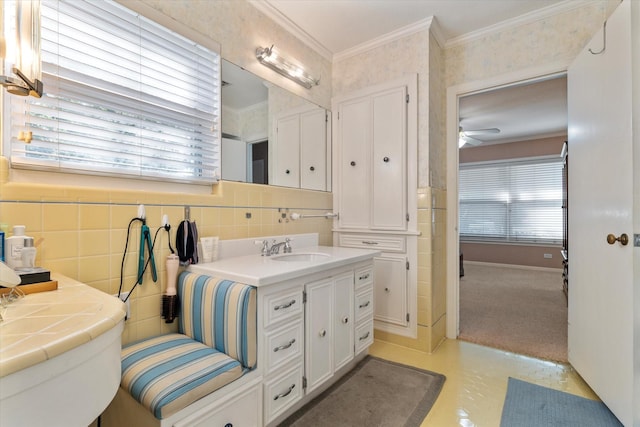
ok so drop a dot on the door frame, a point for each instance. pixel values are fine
(551, 70)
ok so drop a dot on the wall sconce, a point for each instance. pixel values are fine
(20, 48)
(270, 57)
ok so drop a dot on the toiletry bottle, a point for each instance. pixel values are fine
(13, 247)
(28, 253)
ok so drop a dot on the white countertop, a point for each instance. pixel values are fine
(258, 270)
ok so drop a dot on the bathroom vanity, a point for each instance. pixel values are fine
(315, 321)
(59, 356)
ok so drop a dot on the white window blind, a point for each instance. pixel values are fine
(512, 202)
(123, 95)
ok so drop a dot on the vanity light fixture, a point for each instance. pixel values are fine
(271, 57)
(20, 48)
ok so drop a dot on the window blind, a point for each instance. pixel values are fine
(122, 96)
(512, 201)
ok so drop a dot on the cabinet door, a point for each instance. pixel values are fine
(344, 320)
(354, 132)
(286, 154)
(313, 150)
(319, 333)
(388, 162)
(390, 289)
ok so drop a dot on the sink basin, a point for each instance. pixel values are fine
(302, 257)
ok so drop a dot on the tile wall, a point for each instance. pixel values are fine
(81, 232)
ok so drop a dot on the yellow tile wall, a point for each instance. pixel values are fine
(81, 232)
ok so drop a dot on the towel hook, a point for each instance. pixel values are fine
(187, 213)
(604, 40)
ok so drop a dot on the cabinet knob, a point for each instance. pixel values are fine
(386, 160)
(345, 319)
(228, 425)
(287, 171)
(352, 163)
(386, 289)
(312, 168)
(323, 333)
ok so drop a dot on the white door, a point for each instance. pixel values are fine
(390, 287)
(234, 160)
(343, 322)
(313, 150)
(319, 317)
(601, 202)
(286, 168)
(389, 145)
(354, 132)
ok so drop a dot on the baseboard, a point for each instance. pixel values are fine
(519, 267)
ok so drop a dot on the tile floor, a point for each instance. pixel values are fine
(476, 384)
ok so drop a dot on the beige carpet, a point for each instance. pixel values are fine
(523, 311)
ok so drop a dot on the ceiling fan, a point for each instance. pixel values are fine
(467, 136)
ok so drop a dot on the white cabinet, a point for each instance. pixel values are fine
(390, 291)
(371, 161)
(375, 193)
(300, 149)
(329, 327)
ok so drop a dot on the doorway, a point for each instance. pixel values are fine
(510, 241)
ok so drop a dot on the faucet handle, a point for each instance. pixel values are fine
(265, 246)
(287, 245)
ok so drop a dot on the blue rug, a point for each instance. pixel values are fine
(530, 405)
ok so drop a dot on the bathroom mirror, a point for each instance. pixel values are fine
(271, 136)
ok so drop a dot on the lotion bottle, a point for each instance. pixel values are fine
(13, 247)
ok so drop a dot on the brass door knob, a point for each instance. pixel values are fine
(623, 239)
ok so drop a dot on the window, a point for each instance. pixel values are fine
(123, 96)
(512, 201)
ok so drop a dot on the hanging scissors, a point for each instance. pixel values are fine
(145, 240)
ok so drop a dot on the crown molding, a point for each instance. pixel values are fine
(268, 9)
(400, 33)
(527, 18)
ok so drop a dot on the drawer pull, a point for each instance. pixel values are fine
(365, 336)
(364, 277)
(285, 394)
(285, 346)
(283, 306)
(369, 242)
(366, 304)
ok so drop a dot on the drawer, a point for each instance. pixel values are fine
(284, 345)
(242, 410)
(282, 305)
(379, 242)
(281, 393)
(364, 305)
(363, 277)
(364, 336)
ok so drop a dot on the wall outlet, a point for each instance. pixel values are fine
(548, 256)
(127, 303)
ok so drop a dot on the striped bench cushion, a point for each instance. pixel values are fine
(167, 373)
(219, 313)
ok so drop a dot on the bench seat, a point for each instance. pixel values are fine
(169, 372)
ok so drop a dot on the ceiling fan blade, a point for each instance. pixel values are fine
(470, 141)
(480, 131)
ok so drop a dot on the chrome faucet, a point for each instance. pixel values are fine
(275, 248)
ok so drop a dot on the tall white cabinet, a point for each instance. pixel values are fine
(375, 190)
